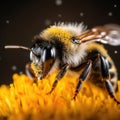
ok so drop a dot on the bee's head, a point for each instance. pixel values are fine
(43, 54)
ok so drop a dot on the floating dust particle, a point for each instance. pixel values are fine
(58, 2)
(59, 15)
(115, 51)
(47, 22)
(14, 67)
(21, 72)
(7, 21)
(81, 14)
(115, 6)
(110, 14)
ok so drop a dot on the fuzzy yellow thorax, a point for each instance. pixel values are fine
(57, 33)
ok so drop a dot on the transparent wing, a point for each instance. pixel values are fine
(112, 36)
(107, 34)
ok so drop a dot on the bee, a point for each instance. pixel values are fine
(73, 47)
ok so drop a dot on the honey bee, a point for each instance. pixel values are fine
(73, 47)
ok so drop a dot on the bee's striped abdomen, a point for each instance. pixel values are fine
(95, 75)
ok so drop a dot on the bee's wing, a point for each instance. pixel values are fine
(107, 34)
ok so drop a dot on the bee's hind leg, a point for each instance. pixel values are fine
(106, 78)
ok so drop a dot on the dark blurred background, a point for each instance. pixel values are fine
(20, 21)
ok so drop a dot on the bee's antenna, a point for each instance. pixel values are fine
(16, 47)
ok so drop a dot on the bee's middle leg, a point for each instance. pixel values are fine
(82, 77)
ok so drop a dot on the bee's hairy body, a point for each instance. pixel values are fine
(72, 47)
(74, 54)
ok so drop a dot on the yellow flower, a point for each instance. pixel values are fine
(26, 100)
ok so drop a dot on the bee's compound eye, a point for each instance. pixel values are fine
(48, 53)
(75, 40)
(36, 50)
(43, 56)
(53, 52)
(34, 58)
(31, 56)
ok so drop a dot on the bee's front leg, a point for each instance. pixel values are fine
(59, 76)
(30, 72)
